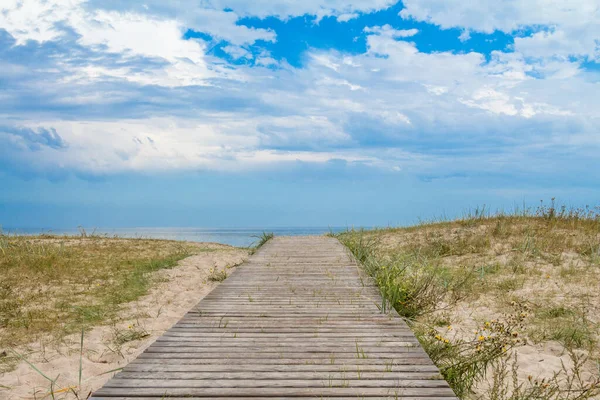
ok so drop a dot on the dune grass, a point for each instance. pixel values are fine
(477, 289)
(262, 240)
(53, 286)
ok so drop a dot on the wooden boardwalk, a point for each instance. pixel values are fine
(298, 320)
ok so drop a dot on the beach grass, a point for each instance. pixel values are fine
(479, 289)
(52, 286)
(262, 239)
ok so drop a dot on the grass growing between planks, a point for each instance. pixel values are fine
(53, 286)
(479, 291)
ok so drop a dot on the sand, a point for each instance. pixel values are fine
(179, 290)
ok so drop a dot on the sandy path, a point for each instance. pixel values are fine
(153, 314)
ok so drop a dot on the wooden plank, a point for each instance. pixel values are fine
(300, 319)
(349, 375)
(319, 397)
(324, 382)
(291, 369)
(235, 341)
(391, 397)
(441, 393)
(301, 355)
(334, 361)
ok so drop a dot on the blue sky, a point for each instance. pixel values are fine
(229, 113)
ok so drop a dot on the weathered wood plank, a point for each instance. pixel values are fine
(281, 342)
(312, 397)
(324, 382)
(300, 319)
(278, 392)
(163, 359)
(290, 369)
(391, 397)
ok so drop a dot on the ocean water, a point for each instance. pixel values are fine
(235, 237)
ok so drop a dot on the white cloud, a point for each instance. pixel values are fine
(218, 23)
(171, 144)
(338, 82)
(574, 24)
(127, 34)
(465, 36)
(35, 19)
(347, 17)
(207, 16)
(136, 35)
(437, 90)
(391, 107)
(387, 30)
(293, 8)
(553, 43)
(132, 34)
(489, 15)
(237, 52)
(405, 63)
(325, 60)
(493, 101)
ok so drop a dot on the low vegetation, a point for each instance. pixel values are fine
(261, 240)
(489, 296)
(53, 286)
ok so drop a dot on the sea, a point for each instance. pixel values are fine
(239, 237)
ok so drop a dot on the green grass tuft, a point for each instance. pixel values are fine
(262, 239)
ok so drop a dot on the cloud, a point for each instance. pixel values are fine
(32, 151)
(44, 20)
(556, 43)
(36, 20)
(305, 132)
(292, 8)
(130, 33)
(126, 34)
(347, 17)
(387, 30)
(128, 100)
(33, 138)
(237, 52)
(507, 16)
(568, 28)
(209, 17)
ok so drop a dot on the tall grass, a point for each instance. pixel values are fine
(415, 279)
(414, 286)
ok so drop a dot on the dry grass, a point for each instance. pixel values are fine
(53, 286)
(48, 362)
(532, 274)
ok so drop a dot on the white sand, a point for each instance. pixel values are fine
(183, 287)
